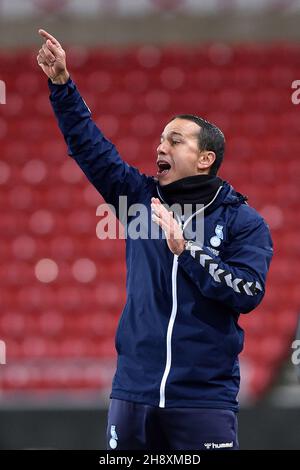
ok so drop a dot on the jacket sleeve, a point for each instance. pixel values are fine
(238, 280)
(96, 156)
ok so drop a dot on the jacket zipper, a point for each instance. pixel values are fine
(162, 390)
(169, 333)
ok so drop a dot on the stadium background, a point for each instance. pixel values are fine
(61, 289)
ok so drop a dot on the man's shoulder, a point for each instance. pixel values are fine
(248, 218)
(237, 204)
(249, 212)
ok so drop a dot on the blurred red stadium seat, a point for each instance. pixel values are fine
(244, 90)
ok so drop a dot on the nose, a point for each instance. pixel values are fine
(162, 149)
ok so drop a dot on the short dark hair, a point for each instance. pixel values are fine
(210, 138)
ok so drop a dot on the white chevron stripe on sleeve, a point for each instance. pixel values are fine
(215, 272)
(234, 284)
(258, 286)
(203, 258)
(212, 268)
(247, 288)
(228, 279)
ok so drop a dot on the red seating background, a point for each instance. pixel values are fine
(59, 334)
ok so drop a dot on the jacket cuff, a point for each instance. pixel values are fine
(60, 92)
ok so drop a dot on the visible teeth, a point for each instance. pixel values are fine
(162, 172)
(162, 166)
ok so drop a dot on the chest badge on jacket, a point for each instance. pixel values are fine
(215, 241)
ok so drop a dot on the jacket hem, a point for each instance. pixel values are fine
(131, 397)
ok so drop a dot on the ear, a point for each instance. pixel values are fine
(206, 159)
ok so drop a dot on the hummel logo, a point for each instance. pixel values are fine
(215, 252)
(221, 445)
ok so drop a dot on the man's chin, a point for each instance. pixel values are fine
(165, 179)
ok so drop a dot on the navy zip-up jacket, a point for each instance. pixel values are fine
(178, 338)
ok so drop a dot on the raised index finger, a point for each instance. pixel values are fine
(46, 36)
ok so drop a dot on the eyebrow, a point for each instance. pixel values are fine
(172, 133)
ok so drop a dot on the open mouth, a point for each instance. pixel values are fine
(163, 167)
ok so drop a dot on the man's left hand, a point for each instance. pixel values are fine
(169, 225)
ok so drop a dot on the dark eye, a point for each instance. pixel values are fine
(174, 142)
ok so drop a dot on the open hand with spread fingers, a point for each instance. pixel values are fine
(173, 232)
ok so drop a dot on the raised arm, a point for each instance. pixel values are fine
(97, 157)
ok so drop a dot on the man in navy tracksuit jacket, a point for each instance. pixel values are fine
(178, 338)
